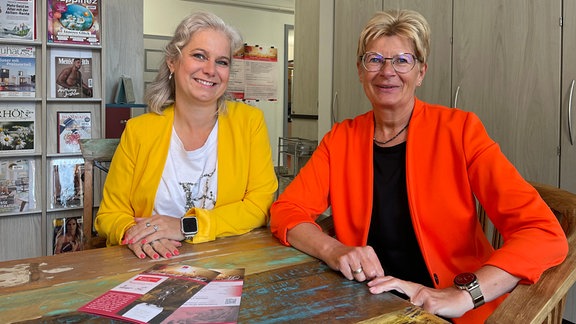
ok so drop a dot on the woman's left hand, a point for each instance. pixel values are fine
(154, 236)
(449, 302)
(148, 229)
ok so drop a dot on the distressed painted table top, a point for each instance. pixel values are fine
(282, 284)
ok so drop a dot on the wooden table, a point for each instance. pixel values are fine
(282, 285)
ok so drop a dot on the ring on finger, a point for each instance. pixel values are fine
(155, 227)
(357, 271)
(147, 224)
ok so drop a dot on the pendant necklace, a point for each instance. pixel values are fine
(393, 137)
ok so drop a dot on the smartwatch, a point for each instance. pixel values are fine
(189, 227)
(469, 282)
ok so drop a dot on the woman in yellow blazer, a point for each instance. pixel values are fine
(196, 166)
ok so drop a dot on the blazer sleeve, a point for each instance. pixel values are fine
(306, 197)
(533, 238)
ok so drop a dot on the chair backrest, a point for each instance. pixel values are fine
(544, 301)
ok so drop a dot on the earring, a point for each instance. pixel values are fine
(170, 76)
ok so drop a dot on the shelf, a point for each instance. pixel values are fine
(129, 105)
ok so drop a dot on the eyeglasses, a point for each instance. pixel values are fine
(402, 63)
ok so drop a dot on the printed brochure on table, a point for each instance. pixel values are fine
(169, 293)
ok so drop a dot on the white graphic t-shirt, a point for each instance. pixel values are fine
(189, 178)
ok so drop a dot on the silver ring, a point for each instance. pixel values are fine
(156, 230)
(147, 224)
(357, 271)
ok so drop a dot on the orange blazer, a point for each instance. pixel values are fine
(450, 162)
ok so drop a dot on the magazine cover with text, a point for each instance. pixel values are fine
(72, 127)
(71, 74)
(17, 127)
(67, 183)
(17, 19)
(74, 22)
(17, 185)
(17, 71)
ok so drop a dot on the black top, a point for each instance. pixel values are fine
(391, 231)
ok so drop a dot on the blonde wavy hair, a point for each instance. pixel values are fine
(161, 92)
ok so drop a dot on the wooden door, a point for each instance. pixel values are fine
(506, 68)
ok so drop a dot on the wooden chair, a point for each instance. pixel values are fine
(544, 301)
(96, 153)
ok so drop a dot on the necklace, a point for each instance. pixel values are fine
(393, 137)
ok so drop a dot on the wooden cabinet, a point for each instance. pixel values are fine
(506, 69)
(568, 105)
(304, 112)
(568, 96)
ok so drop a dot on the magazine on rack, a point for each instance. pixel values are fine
(170, 293)
(17, 71)
(17, 185)
(74, 22)
(71, 74)
(67, 175)
(68, 236)
(72, 127)
(17, 127)
(17, 19)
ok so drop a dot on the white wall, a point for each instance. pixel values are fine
(258, 27)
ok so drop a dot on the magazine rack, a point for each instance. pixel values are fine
(96, 153)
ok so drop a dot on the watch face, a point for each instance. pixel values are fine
(464, 279)
(189, 225)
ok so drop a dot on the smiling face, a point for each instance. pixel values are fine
(387, 88)
(202, 72)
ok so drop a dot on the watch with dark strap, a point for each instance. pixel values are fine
(469, 282)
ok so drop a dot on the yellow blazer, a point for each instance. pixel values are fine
(246, 178)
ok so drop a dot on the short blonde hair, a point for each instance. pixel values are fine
(404, 23)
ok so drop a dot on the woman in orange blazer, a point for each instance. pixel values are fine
(402, 182)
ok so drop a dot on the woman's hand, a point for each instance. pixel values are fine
(154, 236)
(154, 249)
(359, 263)
(449, 302)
